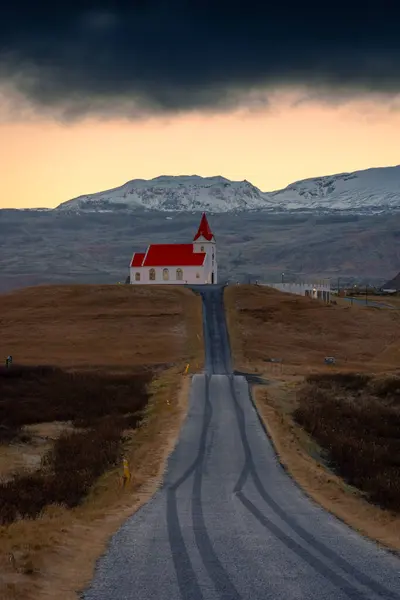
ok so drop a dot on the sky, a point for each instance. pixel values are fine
(93, 94)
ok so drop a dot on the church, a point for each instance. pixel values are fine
(194, 263)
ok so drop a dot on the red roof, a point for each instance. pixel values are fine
(204, 230)
(169, 255)
(137, 259)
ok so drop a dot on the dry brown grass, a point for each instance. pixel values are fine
(116, 328)
(85, 325)
(263, 324)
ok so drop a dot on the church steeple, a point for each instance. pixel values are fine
(204, 230)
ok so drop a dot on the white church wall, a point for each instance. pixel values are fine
(203, 245)
(190, 275)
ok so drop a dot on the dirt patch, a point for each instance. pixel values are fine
(300, 332)
(27, 450)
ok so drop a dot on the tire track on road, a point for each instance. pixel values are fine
(249, 468)
(186, 576)
(213, 565)
(187, 580)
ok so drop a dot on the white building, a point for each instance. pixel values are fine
(178, 263)
(319, 291)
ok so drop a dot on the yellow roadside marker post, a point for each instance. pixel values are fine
(187, 369)
(127, 474)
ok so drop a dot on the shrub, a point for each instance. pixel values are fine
(31, 395)
(69, 470)
(346, 381)
(360, 432)
(102, 404)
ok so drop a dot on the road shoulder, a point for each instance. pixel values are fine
(299, 456)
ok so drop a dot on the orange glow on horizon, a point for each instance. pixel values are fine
(44, 163)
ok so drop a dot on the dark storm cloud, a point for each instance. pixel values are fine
(171, 55)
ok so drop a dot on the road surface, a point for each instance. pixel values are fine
(228, 523)
(368, 303)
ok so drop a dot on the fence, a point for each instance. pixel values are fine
(319, 291)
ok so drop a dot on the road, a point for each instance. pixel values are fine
(368, 303)
(228, 523)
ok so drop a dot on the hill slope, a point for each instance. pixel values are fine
(81, 325)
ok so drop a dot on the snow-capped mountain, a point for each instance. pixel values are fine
(371, 190)
(367, 192)
(180, 193)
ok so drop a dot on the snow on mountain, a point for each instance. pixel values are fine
(371, 190)
(180, 193)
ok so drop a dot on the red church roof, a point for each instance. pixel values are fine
(204, 230)
(137, 259)
(169, 255)
(174, 255)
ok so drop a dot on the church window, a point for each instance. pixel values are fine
(179, 274)
(165, 274)
(137, 276)
(152, 274)
(197, 275)
(202, 249)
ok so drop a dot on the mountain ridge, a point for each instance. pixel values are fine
(367, 191)
(174, 193)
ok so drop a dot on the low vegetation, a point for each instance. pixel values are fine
(101, 405)
(356, 419)
(44, 394)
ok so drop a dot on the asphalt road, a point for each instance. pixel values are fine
(228, 523)
(368, 303)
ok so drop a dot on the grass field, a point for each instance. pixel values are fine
(88, 325)
(340, 444)
(270, 324)
(97, 375)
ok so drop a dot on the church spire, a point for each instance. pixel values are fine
(204, 230)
